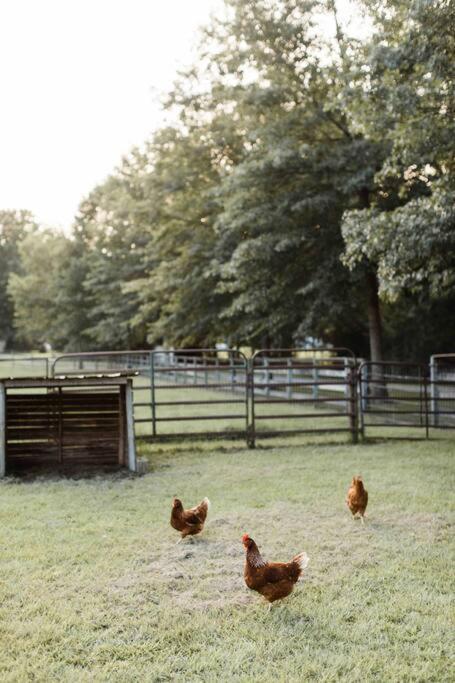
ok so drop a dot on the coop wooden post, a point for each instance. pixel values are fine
(2, 430)
(122, 420)
(130, 427)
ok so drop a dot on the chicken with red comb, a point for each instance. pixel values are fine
(273, 580)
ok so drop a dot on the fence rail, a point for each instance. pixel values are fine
(213, 393)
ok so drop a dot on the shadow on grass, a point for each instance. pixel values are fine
(148, 449)
(50, 474)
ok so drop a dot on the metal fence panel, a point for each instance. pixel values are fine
(219, 393)
(189, 392)
(23, 366)
(297, 391)
(393, 394)
(442, 391)
(202, 392)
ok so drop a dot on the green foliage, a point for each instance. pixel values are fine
(410, 104)
(176, 295)
(302, 172)
(14, 226)
(110, 230)
(35, 289)
(414, 245)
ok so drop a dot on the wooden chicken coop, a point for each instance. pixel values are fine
(66, 423)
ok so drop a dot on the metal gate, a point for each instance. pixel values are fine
(183, 393)
(393, 394)
(220, 393)
(442, 391)
(295, 391)
(196, 392)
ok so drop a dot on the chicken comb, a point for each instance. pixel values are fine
(245, 538)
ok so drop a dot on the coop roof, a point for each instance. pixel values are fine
(83, 379)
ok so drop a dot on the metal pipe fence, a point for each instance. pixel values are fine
(442, 391)
(221, 393)
(294, 393)
(393, 394)
(12, 366)
(194, 393)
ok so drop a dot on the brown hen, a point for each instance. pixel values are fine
(189, 522)
(357, 498)
(273, 580)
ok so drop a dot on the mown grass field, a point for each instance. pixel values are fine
(93, 586)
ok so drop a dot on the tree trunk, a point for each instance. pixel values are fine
(374, 317)
(377, 387)
(373, 306)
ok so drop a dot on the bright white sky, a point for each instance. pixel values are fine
(79, 83)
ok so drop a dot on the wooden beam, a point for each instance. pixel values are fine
(2, 430)
(132, 465)
(122, 420)
(67, 382)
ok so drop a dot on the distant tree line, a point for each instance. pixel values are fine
(305, 189)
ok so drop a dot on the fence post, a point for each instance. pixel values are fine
(315, 380)
(348, 382)
(364, 388)
(353, 422)
(152, 392)
(360, 404)
(218, 376)
(249, 379)
(2, 430)
(434, 392)
(289, 376)
(267, 376)
(231, 363)
(132, 464)
(425, 398)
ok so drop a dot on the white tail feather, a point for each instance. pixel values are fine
(207, 502)
(302, 560)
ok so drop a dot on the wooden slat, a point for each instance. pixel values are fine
(51, 409)
(65, 428)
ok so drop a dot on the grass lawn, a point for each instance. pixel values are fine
(94, 588)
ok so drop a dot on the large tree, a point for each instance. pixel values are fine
(14, 226)
(305, 176)
(408, 100)
(34, 289)
(110, 231)
(303, 162)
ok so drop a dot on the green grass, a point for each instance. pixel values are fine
(94, 588)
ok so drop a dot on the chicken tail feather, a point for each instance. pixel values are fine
(302, 560)
(206, 502)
